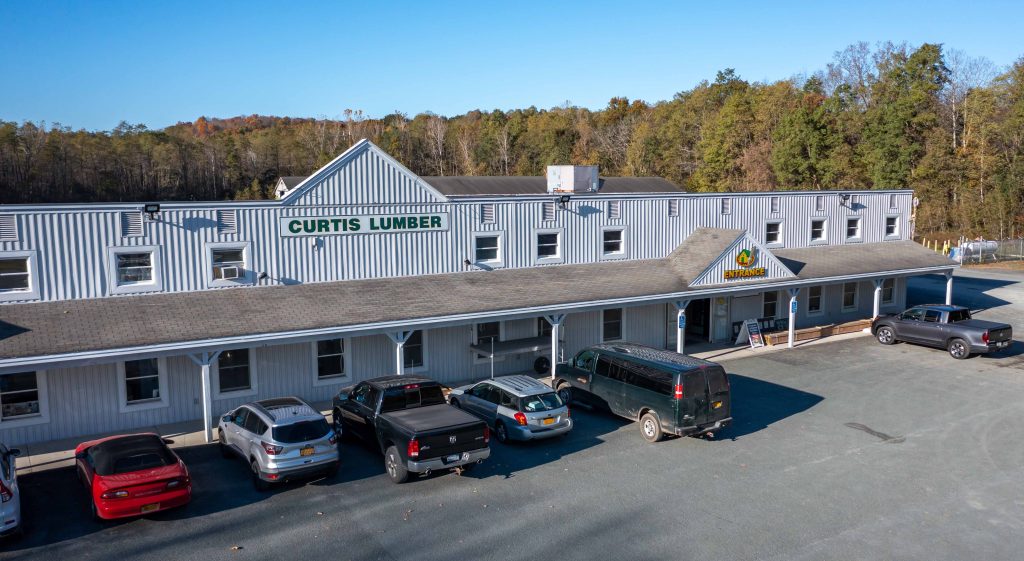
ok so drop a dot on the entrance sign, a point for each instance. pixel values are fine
(746, 259)
(751, 331)
(292, 226)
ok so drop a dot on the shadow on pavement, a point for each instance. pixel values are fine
(756, 404)
(967, 291)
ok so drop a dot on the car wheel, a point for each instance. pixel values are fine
(393, 464)
(500, 432)
(258, 481)
(958, 349)
(885, 335)
(650, 427)
(455, 403)
(565, 393)
(93, 511)
(333, 470)
(222, 444)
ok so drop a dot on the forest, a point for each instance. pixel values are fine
(935, 120)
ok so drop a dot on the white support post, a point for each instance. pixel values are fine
(556, 321)
(877, 309)
(793, 292)
(399, 338)
(680, 324)
(204, 360)
(949, 288)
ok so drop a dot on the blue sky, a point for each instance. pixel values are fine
(92, 64)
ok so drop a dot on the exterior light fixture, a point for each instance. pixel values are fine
(564, 200)
(844, 198)
(152, 209)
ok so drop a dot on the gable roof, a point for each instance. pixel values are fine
(538, 185)
(718, 270)
(290, 181)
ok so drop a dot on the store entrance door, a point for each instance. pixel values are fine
(698, 317)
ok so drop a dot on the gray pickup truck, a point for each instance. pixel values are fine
(943, 326)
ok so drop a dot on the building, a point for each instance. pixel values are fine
(117, 316)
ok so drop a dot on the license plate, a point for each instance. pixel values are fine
(150, 507)
(549, 421)
(452, 458)
(717, 405)
(307, 451)
(1003, 344)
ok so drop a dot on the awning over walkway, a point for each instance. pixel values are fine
(93, 329)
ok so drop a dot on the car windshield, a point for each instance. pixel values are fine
(541, 402)
(301, 431)
(959, 315)
(407, 397)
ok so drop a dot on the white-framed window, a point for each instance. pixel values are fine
(614, 210)
(487, 213)
(611, 324)
(773, 232)
(892, 226)
(849, 296)
(134, 269)
(483, 334)
(487, 248)
(819, 230)
(228, 264)
(853, 233)
(889, 291)
(819, 203)
(673, 207)
(235, 374)
(769, 304)
(547, 246)
(329, 360)
(814, 301)
(892, 201)
(855, 202)
(415, 352)
(613, 243)
(774, 204)
(142, 384)
(547, 211)
(726, 205)
(18, 277)
(23, 399)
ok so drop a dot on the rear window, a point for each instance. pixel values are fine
(130, 453)
(541, 402)
(959, 315)
(408, 397)
(139, 462)
(301, 431)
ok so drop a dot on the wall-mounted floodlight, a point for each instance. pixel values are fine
(564, 200)
(843, 199)
(152, 209)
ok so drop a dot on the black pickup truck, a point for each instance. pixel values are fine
(408, 418)
(945, 326)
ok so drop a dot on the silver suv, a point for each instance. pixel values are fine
(518, 407)
(281, 438)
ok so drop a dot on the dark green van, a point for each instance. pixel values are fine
(666, 391)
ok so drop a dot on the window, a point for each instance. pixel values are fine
(892, 226)
(19, 396)
(330, 359)
(228, 264)
(726, 205)
(814, 300)
(227, 222)
(548, 246)
(888, 291)
(485, 248)
(14, 274)
(543, 327)
(486, 333)
(412, 351)
(612, 243)
(142, 381)
(134, 269)
(892, 201)
(673, 207)
(255, 425)
(849, 296)
(487, 213)
(770, 304)
(611, 324)
(932, 316)
(234, 371)
(614, 210)
(819, 203)
(548, 211)
(773, 204)
(855, 202)
(853, 228)
(818, 230)
(773, 232)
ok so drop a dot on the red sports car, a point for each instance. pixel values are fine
(132, 475)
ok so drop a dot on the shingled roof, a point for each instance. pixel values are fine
(108, 324)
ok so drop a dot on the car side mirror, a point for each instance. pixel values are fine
(167, 441)
(14, 452)
(226, 418)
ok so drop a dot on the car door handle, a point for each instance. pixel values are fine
(581, 380)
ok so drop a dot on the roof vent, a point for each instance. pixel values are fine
(572, 179)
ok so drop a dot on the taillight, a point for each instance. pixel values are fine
(270, 449)
(678, 391)
(333, 439)
(984, 337)
(487, 435)
(114, 494)
(414, 448)
(5, 493)
(520, 418)
(176, 483)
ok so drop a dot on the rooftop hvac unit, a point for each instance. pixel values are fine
(230, 273)
(573, 179)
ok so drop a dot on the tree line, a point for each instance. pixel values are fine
(947, 125)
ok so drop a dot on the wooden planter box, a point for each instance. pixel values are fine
(807, 333)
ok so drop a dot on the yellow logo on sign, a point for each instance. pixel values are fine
(746, 257)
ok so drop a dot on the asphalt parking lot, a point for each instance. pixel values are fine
(847, 450)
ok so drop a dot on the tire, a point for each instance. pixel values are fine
(257, 481)
(959, 349)
(500, 432)
(885, 335)
(394, 466)
(330, 472)
(223, 446)
(93, 512)
(565, 392)
(542, 365)
(650, 427)
(455, 403)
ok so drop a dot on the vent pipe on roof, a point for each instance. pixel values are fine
(573, 179)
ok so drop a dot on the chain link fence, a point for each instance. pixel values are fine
(988, 251)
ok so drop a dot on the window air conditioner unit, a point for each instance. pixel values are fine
(229, 273)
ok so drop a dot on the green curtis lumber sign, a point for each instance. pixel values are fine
(363, 224)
